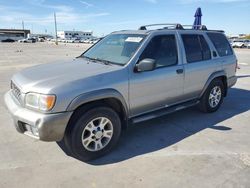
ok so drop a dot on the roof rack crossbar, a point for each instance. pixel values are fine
(169, 25)
(201, 27)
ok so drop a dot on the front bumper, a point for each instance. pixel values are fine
(46, 127)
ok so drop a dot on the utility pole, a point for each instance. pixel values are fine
(55, 27)
(23, 29)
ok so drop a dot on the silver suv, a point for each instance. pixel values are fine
(125, 78)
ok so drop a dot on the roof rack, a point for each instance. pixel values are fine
(197, 27)
(179, 27)
(168, 26)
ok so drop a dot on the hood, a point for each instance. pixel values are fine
(47, 76)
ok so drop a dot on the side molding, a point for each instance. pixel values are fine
(212, 76)
(97, 95)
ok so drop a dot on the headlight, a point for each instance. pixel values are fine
(40, 101)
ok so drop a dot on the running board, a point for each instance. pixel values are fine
(164, 111)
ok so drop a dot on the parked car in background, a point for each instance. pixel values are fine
(86, 41)
(77, 40)
(63, 40)
(59, 40)
(128, 77)
(240, 43)
(231, 42)
(49, 39)
(247, 43)
(97, 40)
(8, 40)
(69, 40)
(93, 41)
(27, 40)
(248, 46)
(52, 40)
(40, 39)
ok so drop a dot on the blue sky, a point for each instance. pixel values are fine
(105, 16)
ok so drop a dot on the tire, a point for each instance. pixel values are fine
(85, 140)
(208, 102)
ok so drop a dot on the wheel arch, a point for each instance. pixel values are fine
(103, 97)
(216, 75)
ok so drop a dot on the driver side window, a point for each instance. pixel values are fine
(163, 50)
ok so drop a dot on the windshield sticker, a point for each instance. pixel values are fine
(133, 39)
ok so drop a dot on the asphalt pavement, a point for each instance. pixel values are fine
(184, 149)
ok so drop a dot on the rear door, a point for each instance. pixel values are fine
(198, 62)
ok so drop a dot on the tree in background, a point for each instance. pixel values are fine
(247, 37)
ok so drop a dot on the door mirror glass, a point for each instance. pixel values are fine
(145, 65)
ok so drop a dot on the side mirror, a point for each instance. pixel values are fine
(145, 65)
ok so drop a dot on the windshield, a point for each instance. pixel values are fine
(115, 48)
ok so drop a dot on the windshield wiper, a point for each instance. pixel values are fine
(96, 60)
(106, 62)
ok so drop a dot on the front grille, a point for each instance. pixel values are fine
(16, 91)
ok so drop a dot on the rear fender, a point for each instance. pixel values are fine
(210, 79)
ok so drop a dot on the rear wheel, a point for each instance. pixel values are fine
(213, 97)
(93, 134)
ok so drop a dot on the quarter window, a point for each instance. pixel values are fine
(196, 48)
(163, 50)
(221, 44)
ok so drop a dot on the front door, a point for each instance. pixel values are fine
(161, 87)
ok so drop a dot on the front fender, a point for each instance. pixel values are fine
(97, 95)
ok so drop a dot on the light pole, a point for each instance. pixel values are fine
(55, 27)
(23, 30)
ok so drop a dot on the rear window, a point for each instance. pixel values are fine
(196, 48)
(221, 44)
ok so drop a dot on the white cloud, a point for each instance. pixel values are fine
(67, 17)
(86, 4)
(62, 17)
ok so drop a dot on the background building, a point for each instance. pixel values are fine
(75, 34)
(14, 34)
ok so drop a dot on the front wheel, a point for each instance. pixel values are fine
(93, 133)
(213, 97)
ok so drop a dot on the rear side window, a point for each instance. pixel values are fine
(163, 50)
(221, 44)
(196, 48)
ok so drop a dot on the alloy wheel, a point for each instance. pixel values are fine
(97, 134)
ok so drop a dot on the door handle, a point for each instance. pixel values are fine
(179, 71)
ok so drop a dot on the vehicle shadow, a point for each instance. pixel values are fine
(165, 131)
